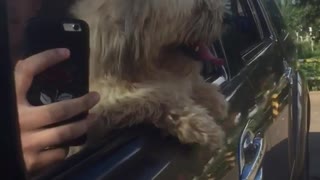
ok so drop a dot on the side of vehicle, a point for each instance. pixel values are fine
(267, 126)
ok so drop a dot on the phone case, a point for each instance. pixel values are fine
(66, 80)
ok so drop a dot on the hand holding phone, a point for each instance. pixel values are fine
(32, 119)
(68, 79)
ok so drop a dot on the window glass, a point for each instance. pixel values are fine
(240, 33)
(263, 23)
(275, 16)
(211, 71)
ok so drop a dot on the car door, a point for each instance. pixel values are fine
(273, 79)
(298, 96)
(271, 98)
(243, 42)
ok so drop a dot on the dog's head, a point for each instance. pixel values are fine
(128, 36)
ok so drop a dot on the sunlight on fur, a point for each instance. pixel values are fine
(141, 71)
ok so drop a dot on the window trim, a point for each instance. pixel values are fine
(266, 15)
(245, 4)
(11, 153)
(256, 18)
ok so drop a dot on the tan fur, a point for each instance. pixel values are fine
(141, 75)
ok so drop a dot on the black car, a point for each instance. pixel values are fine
(268, 122)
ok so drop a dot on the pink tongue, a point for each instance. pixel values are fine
(206, 55)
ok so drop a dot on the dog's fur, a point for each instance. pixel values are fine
(142, 76)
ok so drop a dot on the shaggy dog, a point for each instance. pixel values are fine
(146, 63)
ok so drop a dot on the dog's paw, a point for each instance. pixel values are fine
(200, 129)
(212, 99)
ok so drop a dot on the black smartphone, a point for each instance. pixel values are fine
(66, 80)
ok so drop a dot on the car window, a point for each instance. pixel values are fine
(209, 70)
(212, 72)
(275, 17)
(257, 8)
(240, 33)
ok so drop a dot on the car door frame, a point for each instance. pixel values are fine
(12, 161)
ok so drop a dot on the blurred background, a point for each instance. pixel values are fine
(303, 20)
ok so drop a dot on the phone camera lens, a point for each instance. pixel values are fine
(76, 27)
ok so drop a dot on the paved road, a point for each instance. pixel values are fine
(315, 134)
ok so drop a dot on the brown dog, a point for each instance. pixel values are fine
(141, 66)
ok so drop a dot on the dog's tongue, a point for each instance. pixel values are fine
(206, 55)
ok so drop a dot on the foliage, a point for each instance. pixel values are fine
(305, 51)
(311, 70)
(300, 17)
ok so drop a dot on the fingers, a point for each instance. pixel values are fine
(51, 156)
(25, 70)
(44, 159)
(34, 136)
(34, 144)
(37, 63)
(37, 117)
(58, 135)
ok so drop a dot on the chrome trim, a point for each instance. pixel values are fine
(219, 81)
(286, 37)
(259, 54)
(288, 72)
(251, 166)
(256, 18)
(233, 92)
(226, 58)
(162, 169)
(268, 21)
(259, 175)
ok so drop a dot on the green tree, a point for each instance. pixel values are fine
(300, 17)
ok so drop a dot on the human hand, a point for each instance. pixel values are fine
(35, 137)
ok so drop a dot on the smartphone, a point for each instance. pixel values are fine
(66, 80)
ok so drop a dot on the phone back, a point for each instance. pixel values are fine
(68, 79)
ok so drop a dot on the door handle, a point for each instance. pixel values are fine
(252, 152)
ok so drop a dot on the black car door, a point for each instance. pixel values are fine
(272, 81)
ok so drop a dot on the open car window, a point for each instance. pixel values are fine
(216, 74)
(240, 34)
(275, 17)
